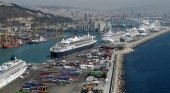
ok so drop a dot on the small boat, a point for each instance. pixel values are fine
(41, 39)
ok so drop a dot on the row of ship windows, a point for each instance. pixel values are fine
(11, 70)
(81, 41)
(77, 42)
(8, 75)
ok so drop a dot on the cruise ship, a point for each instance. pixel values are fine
(11, 70)
(112, 37)
(72, 45)
(106, 37)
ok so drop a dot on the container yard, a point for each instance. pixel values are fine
(81, 72)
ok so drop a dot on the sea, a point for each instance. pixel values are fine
(38, 53)
(147, 69)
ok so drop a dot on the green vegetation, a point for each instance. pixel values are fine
(15, 11)
(53, 19)
(97, 74)
(22, 92)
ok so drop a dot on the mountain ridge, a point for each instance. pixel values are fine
(13, 11)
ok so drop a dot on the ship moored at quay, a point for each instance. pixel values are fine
(72, 45)
(11, 70)
(118, 86)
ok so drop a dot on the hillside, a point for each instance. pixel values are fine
(13, 10)
(145, 9)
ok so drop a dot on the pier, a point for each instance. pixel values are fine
(147, 38)
(118, 76)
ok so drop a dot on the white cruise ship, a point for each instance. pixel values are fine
(72, 45)
(11, 70)
(112, 37)
(155, 26)
(107, 37)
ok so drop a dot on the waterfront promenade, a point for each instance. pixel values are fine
(118, 85)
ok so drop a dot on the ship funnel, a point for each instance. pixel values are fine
(13, 58)
(88, 34)
(74, 35)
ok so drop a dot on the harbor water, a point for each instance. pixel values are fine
(147, 68)
(37, 53)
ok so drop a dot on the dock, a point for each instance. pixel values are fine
(147, 38)
(114, 82)
(118, 78)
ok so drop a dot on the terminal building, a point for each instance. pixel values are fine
(97, 26)
(86, 26)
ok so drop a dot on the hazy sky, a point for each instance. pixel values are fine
(95, 4)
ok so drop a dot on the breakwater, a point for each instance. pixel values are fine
(119, 60)
(147, 38)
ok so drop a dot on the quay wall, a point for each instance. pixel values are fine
(118, 85)
(147, 38)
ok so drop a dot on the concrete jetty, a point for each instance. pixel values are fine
(147, 38)
(119, 82)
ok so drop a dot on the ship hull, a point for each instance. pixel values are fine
(37, 42)
(69, 52)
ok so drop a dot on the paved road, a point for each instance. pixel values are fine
(75, 87)
(109, 75)
(18, 83)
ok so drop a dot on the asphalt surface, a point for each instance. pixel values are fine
(74, 87)
(18, 83)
